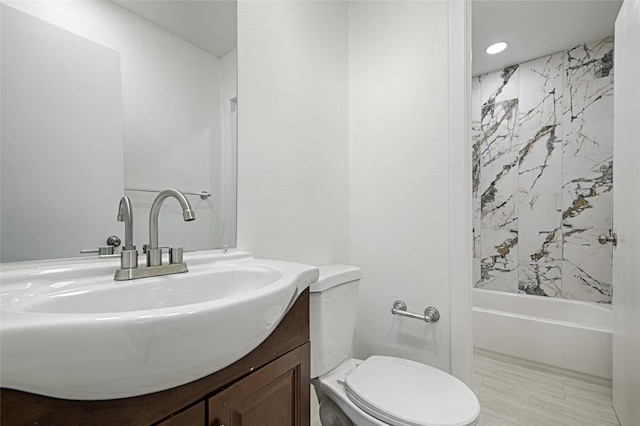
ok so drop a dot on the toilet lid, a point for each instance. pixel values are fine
(408, 393)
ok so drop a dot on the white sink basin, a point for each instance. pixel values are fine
(68, 330)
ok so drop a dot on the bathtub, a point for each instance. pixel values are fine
(561, 333)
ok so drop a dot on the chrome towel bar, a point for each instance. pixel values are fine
(430, 314)
(202, 194)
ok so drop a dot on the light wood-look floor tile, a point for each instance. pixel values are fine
(514, 395)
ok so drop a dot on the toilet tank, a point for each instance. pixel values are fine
(332, 316)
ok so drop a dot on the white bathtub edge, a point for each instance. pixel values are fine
(587, 351)
(566, 334)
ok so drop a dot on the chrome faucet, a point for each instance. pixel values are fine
(125, 214)
(129, 254)
(129, 262)
(154, 253)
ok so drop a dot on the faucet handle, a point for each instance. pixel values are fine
(108, 250)
(154, 256)
(102, 250)
(145, 248)
(129, 259)
(175, 255)
(114, 241)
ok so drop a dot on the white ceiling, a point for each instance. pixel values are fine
(533, 28)
(207, 24)
(536, 28)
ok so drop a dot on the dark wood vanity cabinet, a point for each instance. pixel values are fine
(272, 396)
(196, 415)
(268, 387)
(275, 395)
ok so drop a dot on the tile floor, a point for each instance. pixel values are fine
(514, 395)
(517, 395)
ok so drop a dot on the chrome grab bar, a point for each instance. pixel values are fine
(430, 314)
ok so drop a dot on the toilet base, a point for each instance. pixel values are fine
(330, 386)
(331, 415)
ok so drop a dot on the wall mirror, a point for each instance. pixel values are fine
(103, 99)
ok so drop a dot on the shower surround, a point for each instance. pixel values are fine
(543, 175)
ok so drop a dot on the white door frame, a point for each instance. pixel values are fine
(460, 209)
(626, 212)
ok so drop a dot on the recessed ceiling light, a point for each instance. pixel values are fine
(496, 47)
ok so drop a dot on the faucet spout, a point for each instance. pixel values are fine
(125, 214)
(187, 213)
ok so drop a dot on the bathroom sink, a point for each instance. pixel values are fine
(203, 286)
(68, 330)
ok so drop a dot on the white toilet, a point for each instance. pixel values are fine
(379, 390)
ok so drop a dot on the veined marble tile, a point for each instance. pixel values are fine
(498, 86)
(476, 221)
(499, 206)
(499, 195)
(539, 230)
(492, 278)
(498, 174)
(542, 140)
(540, 97)
(498, 137)
(476, 271)
(587, 198)
(501, 244)
(499, 199)
(541, 279)
(587, 266)
(476, 99)
(475, 202)
(540, 160)
(476, 133)
(589, 61)
(499, 265)
(476, 137)
(587, 121)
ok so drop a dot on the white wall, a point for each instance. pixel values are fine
(293, 176)
(344, 155)
(171, 112)
(399, 175)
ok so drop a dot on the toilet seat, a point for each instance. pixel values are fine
(401, 392)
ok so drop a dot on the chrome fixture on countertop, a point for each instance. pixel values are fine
(154, 253)
(108, 251)
(129, 254)
(154, 268)
(125, 214)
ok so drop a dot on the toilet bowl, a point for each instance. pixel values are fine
(380, 390)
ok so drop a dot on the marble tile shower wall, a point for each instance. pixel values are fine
(543, 175)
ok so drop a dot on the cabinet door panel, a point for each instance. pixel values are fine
(275, 395)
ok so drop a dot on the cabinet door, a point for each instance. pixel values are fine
(275, 395)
